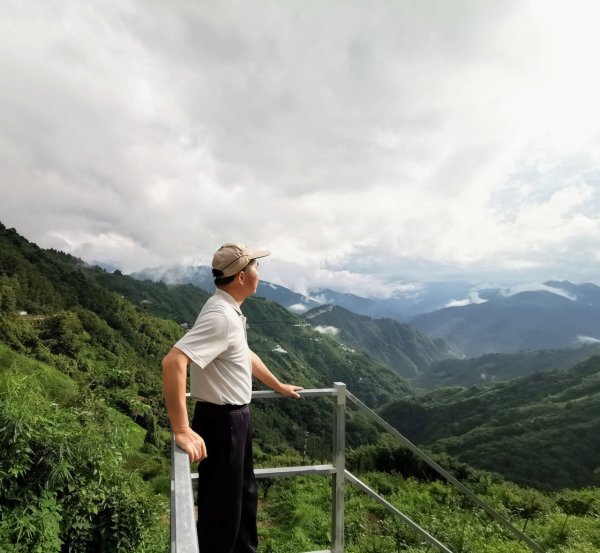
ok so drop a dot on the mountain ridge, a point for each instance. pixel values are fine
(474, 319)
(520, 321)
(406, 350)
(496, 367)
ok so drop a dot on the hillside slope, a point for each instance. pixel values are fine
(406, 350)
(542, 430)
(497, 367)
(71, 466)
(80, 321)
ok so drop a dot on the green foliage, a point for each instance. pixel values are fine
(389, 457)
(541, 430)
(8, 294)
(296, 516)
(63, 484)
(63, 333)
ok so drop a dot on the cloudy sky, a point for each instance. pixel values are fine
(369, 145)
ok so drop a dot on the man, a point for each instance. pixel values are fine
(221, 371)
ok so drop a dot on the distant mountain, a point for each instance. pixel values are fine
(402, 305)
(557, 315)
(473, 320)
(542, 430)
(201, 277)
(403, 348)
(351, 302)
(498, 367)
(298, 303)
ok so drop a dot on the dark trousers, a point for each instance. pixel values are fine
(227, 498)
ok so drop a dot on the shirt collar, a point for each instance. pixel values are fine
(229, 299)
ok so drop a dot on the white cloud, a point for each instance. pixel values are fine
(588, 340)
(324, 329)
(297, 308)
(537, 287)
(367, 147)
(473, 298)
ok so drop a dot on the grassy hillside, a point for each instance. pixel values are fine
(295, 516)
(66, 478)
(314, 359)
(542, 430)
(100, 339)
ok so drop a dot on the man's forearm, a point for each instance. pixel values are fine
(174, 372)
(262, 373)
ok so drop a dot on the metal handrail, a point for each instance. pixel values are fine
(183, 534)
(374, 495)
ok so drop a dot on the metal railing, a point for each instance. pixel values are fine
(184, 538)
(183, 519)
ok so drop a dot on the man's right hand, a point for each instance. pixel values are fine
(192, 444)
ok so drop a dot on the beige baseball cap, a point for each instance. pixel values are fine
(231, 258)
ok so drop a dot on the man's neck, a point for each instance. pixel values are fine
(236, 294)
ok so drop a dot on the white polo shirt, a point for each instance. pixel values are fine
(221, 370)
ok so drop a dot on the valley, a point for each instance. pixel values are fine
(80, 385)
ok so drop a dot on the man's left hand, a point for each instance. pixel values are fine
(289, 390)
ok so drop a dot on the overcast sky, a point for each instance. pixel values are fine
(369, 145)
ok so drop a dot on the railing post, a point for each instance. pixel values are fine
(173, 508)
(184, 538)
(339, 461)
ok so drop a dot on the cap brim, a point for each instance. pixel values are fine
(255, 254)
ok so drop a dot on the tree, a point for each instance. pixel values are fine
(8, 295)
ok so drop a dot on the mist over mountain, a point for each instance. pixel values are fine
(473, 319)
(401, 305)
(201, 277)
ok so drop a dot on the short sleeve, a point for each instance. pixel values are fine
(207, 339)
